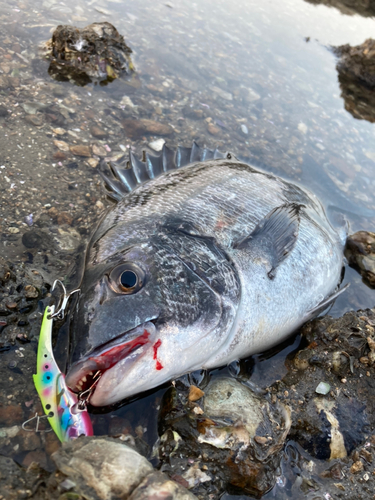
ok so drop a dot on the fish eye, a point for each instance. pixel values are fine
(127, 278)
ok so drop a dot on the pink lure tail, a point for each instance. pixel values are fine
(59, 403)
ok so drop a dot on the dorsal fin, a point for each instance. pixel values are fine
(121, 178)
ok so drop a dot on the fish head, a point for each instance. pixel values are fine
(150, 314)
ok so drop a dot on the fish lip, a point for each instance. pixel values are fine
(108, 355)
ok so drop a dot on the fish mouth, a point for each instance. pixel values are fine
(85, 374)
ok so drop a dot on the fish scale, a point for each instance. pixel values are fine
(225, 261)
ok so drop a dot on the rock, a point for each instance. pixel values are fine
(93, 162)
(59, 131)
(62, 145)
(102, 468)
(32, 108)
(31, 292)
(11, 415)
(323, 388)
(99, 150)
(98, 132)
(81, 150)
(36, 120)
(360, 252)
(213, 130)
(333, 425)
(157, 486)
(195, 393)
(233, 426)
(13, 230)
(38, 457)
(67, 239)
(157, 145)
(64, 218)
(59, 155)
(356, 71)
(364, 8)
(32, 238)
(137, 128)
(96, 53)
(3, 111)
(244, 129)
(194, 114)
(356, 467)
(227, 96)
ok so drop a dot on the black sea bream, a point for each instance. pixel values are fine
(203, 260)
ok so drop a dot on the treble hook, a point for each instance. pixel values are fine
(38, 419)
(60, 313)
(84, 399)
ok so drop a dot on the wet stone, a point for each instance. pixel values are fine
(36, 120)
(32, 238)
(102, 467)
(137, 128)
(360, 252)
(98, 132)
(81, 150)
(3, 111)
(158, 486)
(233, 426)
(107, 58)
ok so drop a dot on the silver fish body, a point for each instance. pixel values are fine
(203, 264)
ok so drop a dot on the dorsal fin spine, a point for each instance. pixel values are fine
(120, 180)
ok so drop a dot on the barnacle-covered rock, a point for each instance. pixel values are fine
(229, 439)
(96, 53)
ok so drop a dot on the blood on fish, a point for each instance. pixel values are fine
(156, 346)
(112, 356)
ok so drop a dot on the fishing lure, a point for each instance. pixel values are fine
(66, 412)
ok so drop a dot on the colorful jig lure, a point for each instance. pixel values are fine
(66, 413)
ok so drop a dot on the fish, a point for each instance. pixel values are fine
(60, 405)
(203, 260)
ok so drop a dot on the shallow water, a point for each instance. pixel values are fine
(259, 79)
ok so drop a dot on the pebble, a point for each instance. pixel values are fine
(59, 155)
(3, 111)
(195, 393)
(93, 162)
(81, 150)
(323, 388)
(157, 145)
(13, 230)
(59, 131)
(31, 292)
(32, 239)
(99, 150)
(244, 129)
(62, 145)
(64, 218)
(31, 108)
(302, 127)
(356, 467)
(98, 132)
(137, 128)
(227, 96)
(213, 130)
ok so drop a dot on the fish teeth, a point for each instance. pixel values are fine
(84, 379)
(90, 373)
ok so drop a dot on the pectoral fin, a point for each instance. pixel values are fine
(275, 235)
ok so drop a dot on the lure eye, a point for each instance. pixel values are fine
(127, 278)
